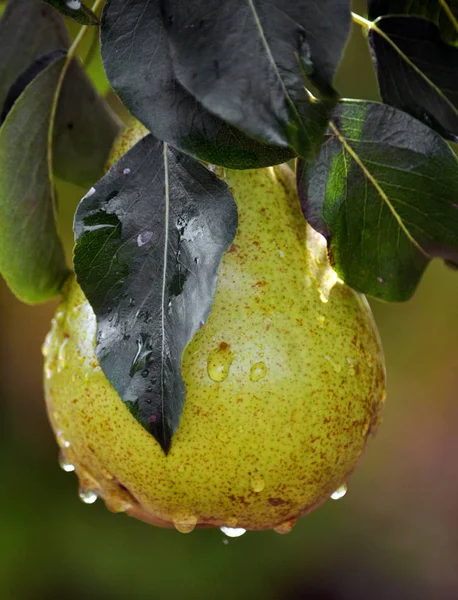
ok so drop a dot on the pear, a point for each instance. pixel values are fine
(285, 383)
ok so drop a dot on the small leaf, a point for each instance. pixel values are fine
(76, 10)
(444, 13)
(248, 61)
(384, 194)
(137, 62)
(85, 127)
(417, 71)
(150, 238)
(31, 255)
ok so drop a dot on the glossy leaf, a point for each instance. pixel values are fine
(444, 13)
(137, 61)
(31, 256)
(417, 71)
(150, 238)
(76, 10)
(85, 126)
(384, 194)
(248, 61)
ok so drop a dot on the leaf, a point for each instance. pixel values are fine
(444, 13)
(137, 62)
(76, 10)
(150, 238)
(417, 71)
(31, 255)
(248, 61)
(85, 126)
(384, 194)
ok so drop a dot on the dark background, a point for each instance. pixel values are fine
(395, 534)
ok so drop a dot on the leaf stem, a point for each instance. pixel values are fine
(368, 25)
(52, 118)
(449, 13)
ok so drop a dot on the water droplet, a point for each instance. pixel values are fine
(75, 5)
(257, 483)
(117, 505)
(65, 464)
(258, 371)
(60, 317)
(87, 496)
(337, 368)
(60, 438)
(107, 474)
(281, 254)
(321, 319)
(340, 492)
(219, 362)
(185, 524)
(126, 171)
(144, 237)
(131, 303)
(285, 527)
(145, 373)
(233, 532)
(144, 352)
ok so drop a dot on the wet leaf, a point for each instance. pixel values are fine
(76, 10)
(31, 256)
(248, 61)
(384, 194)
(150, 238)
(85, 126)
(417, 71)
(137, 61)
(444, 13)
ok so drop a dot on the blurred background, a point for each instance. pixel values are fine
(394, 535)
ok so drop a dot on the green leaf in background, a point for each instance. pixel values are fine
(76, 10)
(249, 62)
(31, 255)
(444, 13)
(384, 193)
(417, 71)
(150, 237)
(138, 65)
(85, 127)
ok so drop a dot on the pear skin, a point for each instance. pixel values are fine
(285, 383)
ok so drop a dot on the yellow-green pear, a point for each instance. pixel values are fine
(285, 383)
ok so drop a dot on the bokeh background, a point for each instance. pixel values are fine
(394, 535)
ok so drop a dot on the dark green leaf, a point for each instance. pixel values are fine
(25, 78)
(76, 10)
(443, 13)
(417, 71)
(150, 238)
(384, 194)
(85, 127)
(31, 256)
(248, 61)
(137, 62)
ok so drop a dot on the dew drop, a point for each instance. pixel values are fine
(65, 464)
(285, 527)
(144, 352)
(87, 496)
(144, 237)
(117, 505)
(75, 5)
(337, 368)
(60, 438)
(107, 474)
(257, 483)
(126, 171)
(233, 532)
(219, 362)
(340, 492)
(145, 373)
(185, 524)
(321, 319)
(258, 371)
